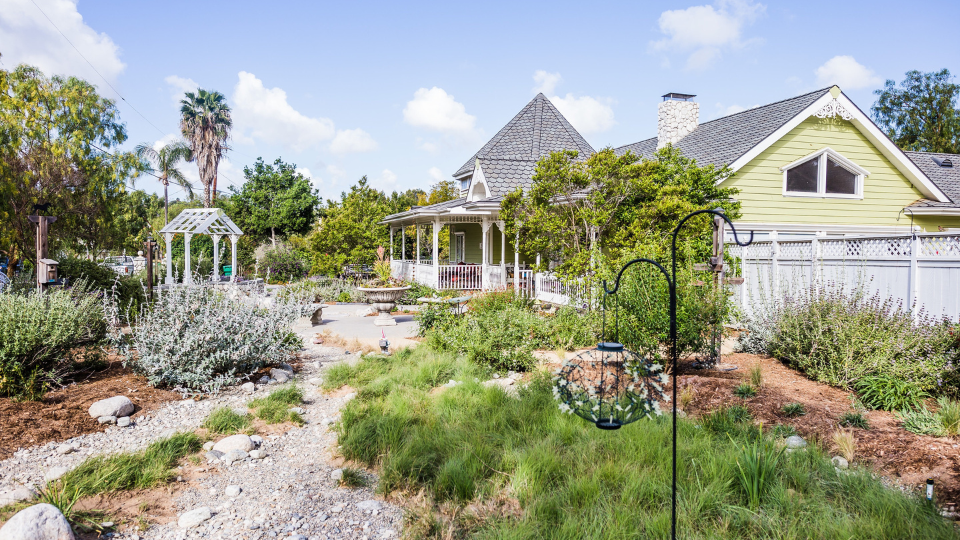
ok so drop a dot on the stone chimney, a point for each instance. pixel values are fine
(677, 116)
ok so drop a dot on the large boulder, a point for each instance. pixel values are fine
(38, 522)
(234, 442)
(116, 406)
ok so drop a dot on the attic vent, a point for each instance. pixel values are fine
(673, 96)
(946, 163)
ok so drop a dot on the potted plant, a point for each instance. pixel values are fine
(383, 291)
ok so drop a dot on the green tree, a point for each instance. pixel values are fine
(442, 191)
(54, 137)
(164, 162)
(274, 199)
(205, 122)
(921, 114)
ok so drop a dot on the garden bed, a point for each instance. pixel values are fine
(62, 414)
(886, 447)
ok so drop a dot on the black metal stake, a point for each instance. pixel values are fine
(672, 287)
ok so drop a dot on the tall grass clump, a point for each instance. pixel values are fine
(226, 420)
(840, 336)
(39, 334)
(520, 468)
(196, 339)
(275, 407)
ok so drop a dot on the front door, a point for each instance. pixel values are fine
(459, 248)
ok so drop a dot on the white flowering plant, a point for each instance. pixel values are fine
(196, 339)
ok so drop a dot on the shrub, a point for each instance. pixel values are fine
(793, 409)
(854, 420)
(196, 339)
(889, 393)
(283, 265)
(729, 420)
(745, 390)
(129, 290)
(782, 431)
(840, 336)
(40, 333)
(757, 464)
(922, 422)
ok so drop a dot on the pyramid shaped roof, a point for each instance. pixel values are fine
(536, 131)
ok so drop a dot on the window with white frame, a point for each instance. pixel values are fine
(824, 174)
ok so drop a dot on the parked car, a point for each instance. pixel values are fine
(120, 264)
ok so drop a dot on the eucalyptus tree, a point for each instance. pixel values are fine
(164, 162)
(205, 122)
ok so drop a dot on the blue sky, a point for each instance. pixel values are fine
(406, 92)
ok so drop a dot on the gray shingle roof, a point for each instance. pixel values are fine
(505, 175)
(722, 141)
(535, 131)
(946, 178)
(441, 206)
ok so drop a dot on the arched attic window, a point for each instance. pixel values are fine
(824, 174)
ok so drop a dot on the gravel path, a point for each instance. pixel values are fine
(290, 493)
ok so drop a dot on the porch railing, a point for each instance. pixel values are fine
(461, 277)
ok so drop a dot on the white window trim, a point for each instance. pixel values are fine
(461, 257)
(821, 193)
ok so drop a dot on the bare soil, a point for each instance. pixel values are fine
(62, 414)
(886, 448)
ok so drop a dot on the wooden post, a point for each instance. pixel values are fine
(42, 244)
(149, 245)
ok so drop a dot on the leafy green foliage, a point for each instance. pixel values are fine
(226, 420)
(922, 113)
(283, 265)
(129, 290)
(734, 420)
(854, 419)
(793, 409)
(40, 333)
(145, 469)
(275, 408)
(274, 201)
(782, 431)
(205, 122)
(921, 421)
(890, 393)
(745, 390)
(757, 463)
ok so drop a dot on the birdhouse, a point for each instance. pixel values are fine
(47, 271)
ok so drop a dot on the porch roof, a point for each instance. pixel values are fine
(456, 207)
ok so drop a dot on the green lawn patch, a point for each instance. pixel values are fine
(275, 408)
(474, 449)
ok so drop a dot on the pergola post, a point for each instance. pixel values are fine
(216, 258)
(168, 239)
(233, 257)
(186, 261)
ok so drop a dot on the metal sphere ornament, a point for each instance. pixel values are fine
(611, 386)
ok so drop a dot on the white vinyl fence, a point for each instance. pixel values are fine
(921, 271)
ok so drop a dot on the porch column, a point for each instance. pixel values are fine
(516, 260)
(216, 258)
(187, 278)
(416, 256)
(403, 243)
(503, 255)
(233, 257)
(168, 238)
(485, 251)
(436, 252)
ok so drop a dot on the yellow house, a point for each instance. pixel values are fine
(815, 164)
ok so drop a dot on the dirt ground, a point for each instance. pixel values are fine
(886, 447)
(63, 413)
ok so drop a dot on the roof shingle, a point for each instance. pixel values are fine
(946, 178)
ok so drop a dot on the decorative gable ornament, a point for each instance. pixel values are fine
(832, 109)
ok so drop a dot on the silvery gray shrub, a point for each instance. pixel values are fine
(198, 339)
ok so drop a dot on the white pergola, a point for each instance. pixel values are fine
(210, 221)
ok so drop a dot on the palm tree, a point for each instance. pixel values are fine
(205, 122)
(164, 162)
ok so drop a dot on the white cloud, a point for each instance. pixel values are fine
(846, 73)
(706, 31)
(386, 182)
(165, 140)
(436, 110)
(304, 171)
(352, 140)
(435, 173)
(180, 86)
(29, 38)
(587, 114)
(546, 82)
(335, 171)
(261, 113)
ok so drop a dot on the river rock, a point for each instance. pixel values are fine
(232, 491)
(54, 473)
(368, 506)
(123, 421)
(336, 475)
(257, 440)
(235, 455)
(795, 442)
(38, 522)
(839, 462)
(258, 454)
(194, 517)
(208, 446)
(248, 387)
(234, 442)
(107, 419)
(15, 496)
(280, 375)
(115, 406)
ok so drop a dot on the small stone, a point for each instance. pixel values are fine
(54, 473)
(280, 375)
(234, 442)
(368, 506)
(264, 380)
(194, 517)
(213, 456)
(336, 509)
(212, 491)
(795, 442)
(839, 462)
(115, 406)
(298, 410)
(232, 491)
(258, 454)
(38, 522)
(107, 524)
(107, 419)
(123, 421)
(235, 455)
(317, 341)
(257, 440)
(315, 381)
(208, 446)
(15, 496)
(336, 475)
(65, 449)
(248, 387)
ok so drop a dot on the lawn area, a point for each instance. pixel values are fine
(489, 465)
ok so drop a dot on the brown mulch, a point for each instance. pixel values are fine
(886, 447)
(63, 413)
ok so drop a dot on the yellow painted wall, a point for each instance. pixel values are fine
(885, 191)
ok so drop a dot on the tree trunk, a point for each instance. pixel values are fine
(213, 196)
(166, 203)
(273, 237)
